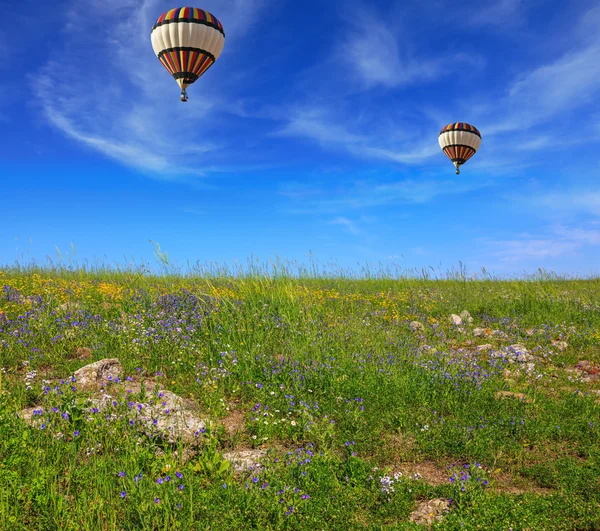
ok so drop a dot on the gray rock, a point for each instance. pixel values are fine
(560, 345)
(455, 319)
(514, 353)
(415, 326)
(483, 348)
(481, 332)
(429, 511)
(170, 417)
(164, 413)
(243, 460)
(91, 377)
(466, 317)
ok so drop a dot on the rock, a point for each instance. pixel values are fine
(466, 317)
(587, 367)
(163, 414)
(428, 512)
(560, 345)
(170, 417)
(32, 415)
(484, 348)
(509, 394)
(415, 326)
(455, 319)
(243, 460)
(91, 377)
(519, 353)
(530, 332)
(482, 332)
(514, 353)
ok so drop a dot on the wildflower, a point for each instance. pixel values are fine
(180, 487)
(160, 481)
(76, 433)
(123, 494)
(122, 474)
(157, 500)
(179, 475)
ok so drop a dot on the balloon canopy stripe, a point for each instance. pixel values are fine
(186, 62)
(186, 49)
(460, 154)
(461, 126)
(189, 14)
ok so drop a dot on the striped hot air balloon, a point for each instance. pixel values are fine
(459, 141)
(187, 41)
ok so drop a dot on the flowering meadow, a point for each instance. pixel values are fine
(372, 403)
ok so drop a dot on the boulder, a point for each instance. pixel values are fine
(91, 377)
(466, 317)
(455, 319)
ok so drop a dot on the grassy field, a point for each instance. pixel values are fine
(363, 417)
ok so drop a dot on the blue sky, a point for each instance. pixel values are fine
(315, 131)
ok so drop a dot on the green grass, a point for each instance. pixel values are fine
(321, 371)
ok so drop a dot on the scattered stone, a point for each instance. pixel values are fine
(500, 334)
(514, 353)
(91, 377)
(170, 417)
(31, 415)
(455, 319)
(530, 332)
(163, 414)
(509, 394)
(560, 345)
(484, 348)
(415, 326)
(244, 460)
(430, 511)
(587, 367)
(466, 317)
(482, 332)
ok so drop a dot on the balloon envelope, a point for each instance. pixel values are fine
(187, 41)
(459, 141)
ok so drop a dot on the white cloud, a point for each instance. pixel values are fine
(373, 51)
(362, 195)
(560, 241)
(106, 89)
(495, 13)
(576, 201)
(348, 224)
(331, 131)
(568, 83)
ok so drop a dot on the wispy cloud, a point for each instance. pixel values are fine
(570, 82)
(380, 54)
(496, 13)
(363, 194)
(126, 107)
(558, 241)
(574, 201)
(333, 131)
(348, 224)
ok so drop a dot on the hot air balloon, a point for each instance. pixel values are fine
(187, 41)
(459, 141)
